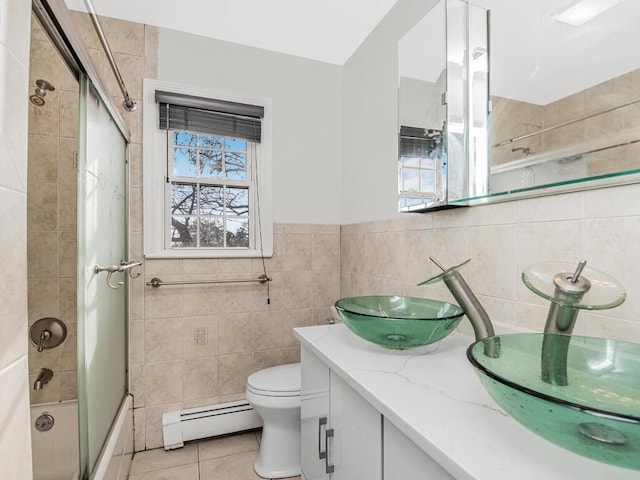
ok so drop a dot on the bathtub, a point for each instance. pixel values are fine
(55, 452)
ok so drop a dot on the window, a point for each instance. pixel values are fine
(420, 166)
(210, 179)
(207, 174)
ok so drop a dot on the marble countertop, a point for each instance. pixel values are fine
(436, 399)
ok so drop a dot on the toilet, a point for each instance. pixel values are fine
(274, 393)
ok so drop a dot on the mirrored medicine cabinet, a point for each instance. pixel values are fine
(442, 99)
(543, 100)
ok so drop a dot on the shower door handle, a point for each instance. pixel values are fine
(127, 266)
(123, 267)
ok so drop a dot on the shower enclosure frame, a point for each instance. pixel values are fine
(58, 24)
(54, 17)
(102, 306)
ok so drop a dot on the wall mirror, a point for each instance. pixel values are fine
(443, 98)
(565, 96)
(564, 90)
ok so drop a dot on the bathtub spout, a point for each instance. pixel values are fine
(44, 377)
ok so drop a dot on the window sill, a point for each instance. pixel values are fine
(208, 254)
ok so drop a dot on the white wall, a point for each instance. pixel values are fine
(307, 127)
(370, 118)
(413, 98)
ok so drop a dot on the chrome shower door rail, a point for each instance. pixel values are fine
(568, 122)
(128, 102)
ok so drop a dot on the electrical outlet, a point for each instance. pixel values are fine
(200, 336)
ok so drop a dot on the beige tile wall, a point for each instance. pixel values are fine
(15, 441)
(601, 226)
(613, 92)
(511, 118)
(197, 344)
(51, 215)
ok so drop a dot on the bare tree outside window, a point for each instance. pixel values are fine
(210, 192)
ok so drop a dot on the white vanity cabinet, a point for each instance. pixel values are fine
(341, 432)
(404, 460)
(345, 438)
(439, 422)
(314, 416)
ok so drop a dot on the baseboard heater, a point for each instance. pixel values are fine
(195, 423)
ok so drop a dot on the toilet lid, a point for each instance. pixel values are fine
(280, 379)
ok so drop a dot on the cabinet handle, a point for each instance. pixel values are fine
(322, 421)
(328, 433)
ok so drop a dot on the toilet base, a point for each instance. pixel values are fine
(274, 393)
(279, 455)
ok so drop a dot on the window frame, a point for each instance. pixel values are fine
(156, 189)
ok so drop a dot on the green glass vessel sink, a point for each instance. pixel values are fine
(399, 322)
(596, 415)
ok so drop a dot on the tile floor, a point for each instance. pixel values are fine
(224, 458)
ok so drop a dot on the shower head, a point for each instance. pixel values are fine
(130, 104)
(36, 100)
(41, 90)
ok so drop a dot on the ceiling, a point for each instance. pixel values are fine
(537, 59)
(324, 30)
(533, 57)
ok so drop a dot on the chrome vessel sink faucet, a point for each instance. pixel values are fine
(477, 315)
(568, 293)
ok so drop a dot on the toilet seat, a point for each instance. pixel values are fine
(280, 381)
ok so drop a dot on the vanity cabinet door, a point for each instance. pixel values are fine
(355, 448)
(314, 416)
(341, 434)
(404, 460)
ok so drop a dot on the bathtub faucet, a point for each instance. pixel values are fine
(44, 377)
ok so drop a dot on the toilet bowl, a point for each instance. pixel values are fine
(274, 393)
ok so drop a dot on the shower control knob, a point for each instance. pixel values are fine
(48, 332)
(44, 336)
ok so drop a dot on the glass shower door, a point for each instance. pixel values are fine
(102, 321)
